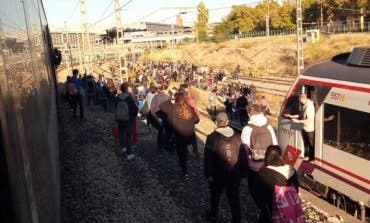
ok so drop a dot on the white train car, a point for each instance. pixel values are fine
(340, 90)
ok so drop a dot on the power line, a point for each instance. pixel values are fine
(169, 17)
(73, 12)
(106, 17)
(226, 7)
(230, 6)
(347, 9)
(101, 16)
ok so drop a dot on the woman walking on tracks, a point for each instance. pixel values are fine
(182, 118)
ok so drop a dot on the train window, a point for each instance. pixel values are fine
(347, 130)
(292, 105)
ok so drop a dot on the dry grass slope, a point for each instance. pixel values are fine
(252, 54)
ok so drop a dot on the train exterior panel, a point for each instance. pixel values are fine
(29, 155)
(341, 95)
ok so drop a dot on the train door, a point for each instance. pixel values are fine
(289, 132)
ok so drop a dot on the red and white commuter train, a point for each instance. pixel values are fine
(340, 89)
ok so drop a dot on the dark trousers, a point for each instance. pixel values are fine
(89, 98)
(161, 136)
(309, 142)
(169, 136)
(77, 100)
(231, 184)
(229, 113)
(251, 177)
(243, 117)
(152, 120)
(104, 103)
(110, 104)
(124, 128)
(195, 144)
(182, 151)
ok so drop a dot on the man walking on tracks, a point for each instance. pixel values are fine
(256, 137)
(224, 167)
(125, 112)
(242, 106)
(75, 87)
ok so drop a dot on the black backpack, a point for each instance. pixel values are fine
(122, 111)
(227, 148)
(260, 139)
(126, 109)
(132, 108)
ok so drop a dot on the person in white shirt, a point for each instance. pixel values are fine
(257, 120)
(307, 119)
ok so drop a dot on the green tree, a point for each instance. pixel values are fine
(222, 31)
(242, 19)
(202, 21)
(261, 11)
(281, 16)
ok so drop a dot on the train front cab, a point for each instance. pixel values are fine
(341, 169)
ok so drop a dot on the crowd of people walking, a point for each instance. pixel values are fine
(228, 157)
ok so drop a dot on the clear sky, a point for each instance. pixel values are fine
(58, 11)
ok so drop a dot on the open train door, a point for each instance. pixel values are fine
(289, 133)
(290, 140)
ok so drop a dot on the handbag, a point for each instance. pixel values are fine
(291, 155)
(286, 205)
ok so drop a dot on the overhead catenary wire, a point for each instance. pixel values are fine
(227, 7)
(230, 6)
(106, 17)
(74, 11)
(195, 11)
(106, 9)
(346, 9)
(169, 17)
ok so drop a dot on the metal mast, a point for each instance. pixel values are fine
(117, 10)
(300, 59)
(268, 36)
(85, 36)
(67, 47)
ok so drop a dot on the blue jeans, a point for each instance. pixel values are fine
(125, 127)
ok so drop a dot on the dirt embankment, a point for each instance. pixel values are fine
(254, 54)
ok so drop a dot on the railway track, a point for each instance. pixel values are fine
(273, 80)
(271, 85)
(100, 71)
(280, 92)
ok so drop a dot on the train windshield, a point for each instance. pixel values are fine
(292, 105)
